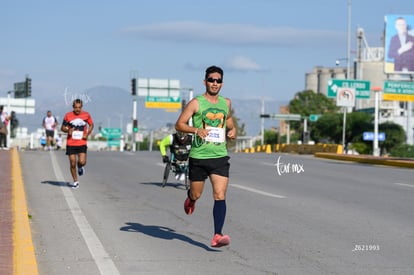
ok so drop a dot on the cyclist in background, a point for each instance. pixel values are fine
(180, 145)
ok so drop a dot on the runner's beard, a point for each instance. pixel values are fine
(213, 92)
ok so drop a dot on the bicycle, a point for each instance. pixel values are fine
(176, 166)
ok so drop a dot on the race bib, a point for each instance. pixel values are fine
(77, 135)
(216, 134)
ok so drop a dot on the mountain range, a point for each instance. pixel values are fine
(112, 107)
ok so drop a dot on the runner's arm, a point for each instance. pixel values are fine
(185, 116)
(232, 131)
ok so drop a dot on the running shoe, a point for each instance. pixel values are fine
(74, 185)
(81, 171)
(220, 240)
(189, 206)
(182, 177)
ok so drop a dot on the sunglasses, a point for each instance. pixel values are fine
(218, 80)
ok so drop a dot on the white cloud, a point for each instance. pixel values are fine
(241, 63)
(234, 34)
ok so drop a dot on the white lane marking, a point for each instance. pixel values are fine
(257, 191)
(97, 250)
(404, 184)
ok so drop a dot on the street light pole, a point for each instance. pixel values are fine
(375, 150)
(348, 69)
(262, 125)
(348, 50)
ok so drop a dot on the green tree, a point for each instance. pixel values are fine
(270, 136)
(394, 136)
(403, 151)
(393, 143)
(329, 127)
(307, 103)
(356, 124)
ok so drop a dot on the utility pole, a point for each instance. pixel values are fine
(262, 124)
(348, 69)
(134, 80)
(376, 151)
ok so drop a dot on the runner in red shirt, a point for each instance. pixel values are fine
(78, 124)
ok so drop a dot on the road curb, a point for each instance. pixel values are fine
(388, 161)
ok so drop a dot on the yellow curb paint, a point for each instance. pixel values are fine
(366, 159)
(268, 149)
(24, 259)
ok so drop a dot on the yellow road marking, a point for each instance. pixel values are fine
(24, 259)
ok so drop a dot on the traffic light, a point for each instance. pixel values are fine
(135, 125)
(28, 87)
(134, 86)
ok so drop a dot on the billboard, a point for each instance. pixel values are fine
(399, 44)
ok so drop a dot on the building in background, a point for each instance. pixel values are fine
(369, 65)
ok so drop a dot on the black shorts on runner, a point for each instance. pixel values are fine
(200, 169)
(50, 133)
(74, 150)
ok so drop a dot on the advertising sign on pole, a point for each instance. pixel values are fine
(398, 56)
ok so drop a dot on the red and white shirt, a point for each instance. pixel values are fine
(80, 124)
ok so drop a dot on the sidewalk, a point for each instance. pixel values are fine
(6, 214)
(17, 255)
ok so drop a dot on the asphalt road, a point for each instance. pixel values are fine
(286, 214)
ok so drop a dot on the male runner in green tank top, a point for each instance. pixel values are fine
(212, 125)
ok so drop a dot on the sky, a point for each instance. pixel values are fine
(264, 46)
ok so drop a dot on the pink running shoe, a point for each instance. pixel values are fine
(220, 240)
(189, 206)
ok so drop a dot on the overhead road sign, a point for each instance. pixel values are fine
(158, 87)
(111, 132)
(282, 116)
(165, 102)
(19, 105)
(113, 136)
(362, 87)
(160, 93)
(398, 90)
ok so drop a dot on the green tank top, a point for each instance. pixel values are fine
(212, 116)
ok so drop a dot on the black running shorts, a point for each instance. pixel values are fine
(50, 133)
(74, 150)
(200, 169)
